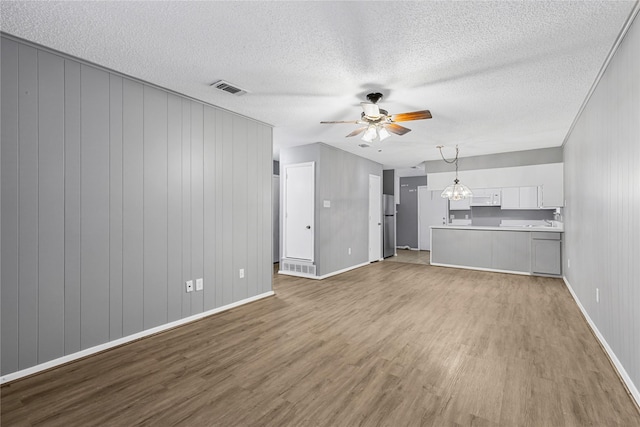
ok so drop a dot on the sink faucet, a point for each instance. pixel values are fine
(549, 222)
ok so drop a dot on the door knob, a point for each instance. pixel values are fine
(308, 227)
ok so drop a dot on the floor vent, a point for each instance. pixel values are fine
(298, 267)
(228, 87)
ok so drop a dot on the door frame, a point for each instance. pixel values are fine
(380, 219)
(283, 211)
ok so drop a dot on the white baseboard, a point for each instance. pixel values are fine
(124, 340)
(631, 387)
(324, 276)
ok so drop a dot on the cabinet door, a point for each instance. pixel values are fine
(460, 205)
(546, 257)
(511, 198)
(529, 198)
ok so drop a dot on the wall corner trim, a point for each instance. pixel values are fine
(622, 373)
(125, 340)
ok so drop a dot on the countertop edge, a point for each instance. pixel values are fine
(489, 228)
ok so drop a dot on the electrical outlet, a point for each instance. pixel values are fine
(241, 273)
(568, 263)
(189, 285)
(199, 284)
(597, 295)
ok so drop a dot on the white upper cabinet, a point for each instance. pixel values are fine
(460, 205)
(548, 176)
(511, 198)
(521, 198)
(529, 198)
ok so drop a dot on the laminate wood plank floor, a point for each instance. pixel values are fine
(389, 344)
(410, 256)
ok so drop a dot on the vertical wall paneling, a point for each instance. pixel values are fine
(219, 206)
(186, 206)
(115, 207)
(132, 207)
(267, 245)
(253, 205)
(9, 206)
(197, 205)
(94, 199)
(175, 289)
(228, 212)
(239, 203)
(114, 193)
(50, 206)
(155, 207)
(209, 157)
(28, 205)
(72, 254)
(602, 186)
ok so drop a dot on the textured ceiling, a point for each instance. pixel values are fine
(497, 76)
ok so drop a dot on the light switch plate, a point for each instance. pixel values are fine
(199, 284)
(189, 285)
(241, 273)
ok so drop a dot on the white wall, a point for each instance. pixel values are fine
(602, 215)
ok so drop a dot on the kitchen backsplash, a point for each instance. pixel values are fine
(490, 216)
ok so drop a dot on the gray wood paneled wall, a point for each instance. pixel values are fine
(343, 179)
(114, 193)
(602, 215)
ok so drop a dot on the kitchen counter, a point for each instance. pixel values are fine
(502, 228)
(509, 249)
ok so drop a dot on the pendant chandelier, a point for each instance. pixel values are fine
(457, 191)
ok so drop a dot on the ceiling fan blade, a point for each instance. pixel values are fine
(348, 121)
(357, 131)
(415, 115)
(397, 129)
(370, 110)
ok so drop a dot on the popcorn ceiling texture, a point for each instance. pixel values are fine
(497, 76)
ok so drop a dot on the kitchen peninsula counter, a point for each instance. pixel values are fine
(529, 250)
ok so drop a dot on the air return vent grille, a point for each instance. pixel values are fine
(229, 88)
(298, 267)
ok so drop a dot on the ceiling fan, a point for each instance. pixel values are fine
(378, 123)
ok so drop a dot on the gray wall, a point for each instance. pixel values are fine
(114, 193)
(498, 160)
(342, 178)
(602, 215)
(407, 216)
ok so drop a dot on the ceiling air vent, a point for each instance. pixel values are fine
(229, 88)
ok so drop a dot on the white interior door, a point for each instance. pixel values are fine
(299, 208)
(275, 187)
(375, 218)
(432, 209)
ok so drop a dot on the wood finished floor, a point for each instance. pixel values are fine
(410, 256)
(390, 344)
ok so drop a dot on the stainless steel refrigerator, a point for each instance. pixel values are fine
(389, 230)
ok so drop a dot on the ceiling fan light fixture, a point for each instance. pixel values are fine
(369, 134)
(383, 134)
